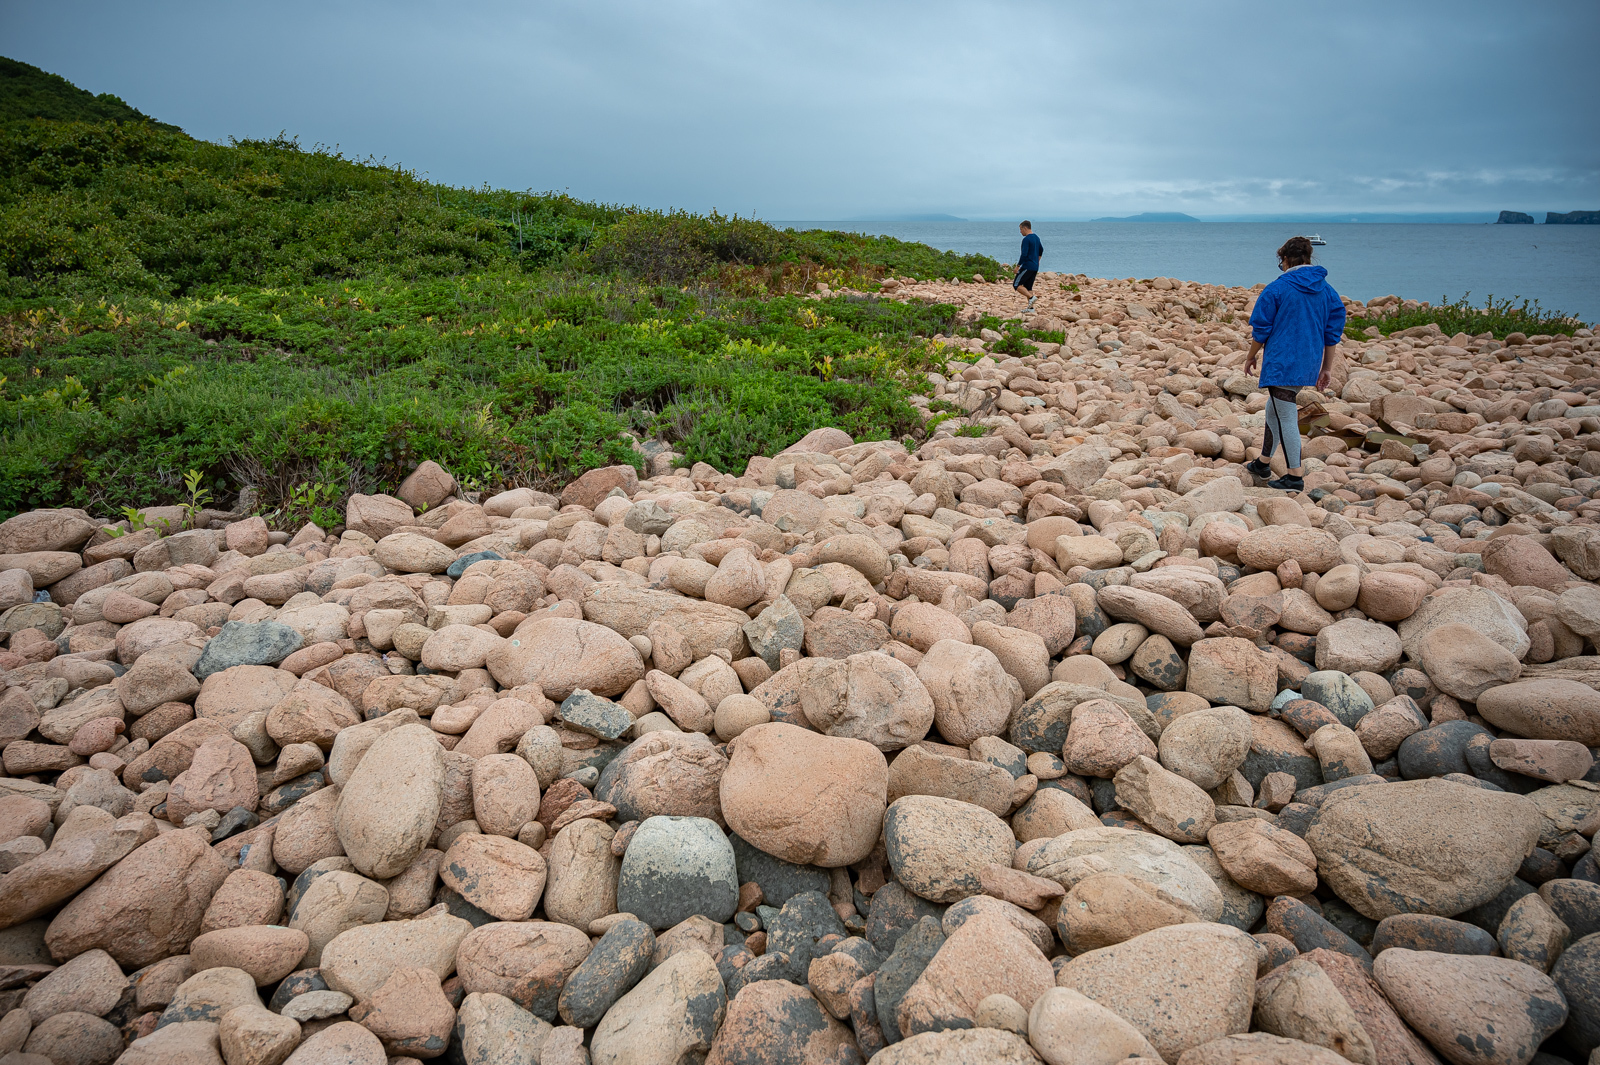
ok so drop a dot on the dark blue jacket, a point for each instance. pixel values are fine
(1032, 249)
(1296, 317)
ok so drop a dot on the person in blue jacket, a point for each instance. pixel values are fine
(1028, 261)
(1298, 319)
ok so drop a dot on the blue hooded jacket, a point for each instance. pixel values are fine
(1296, 317)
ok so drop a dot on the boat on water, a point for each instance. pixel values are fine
(1316, 240)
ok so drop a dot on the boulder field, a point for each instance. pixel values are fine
(1055, 739)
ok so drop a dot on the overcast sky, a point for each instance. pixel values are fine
(858, 109)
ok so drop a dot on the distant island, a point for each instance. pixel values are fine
(1152, 216)
(1551, 218)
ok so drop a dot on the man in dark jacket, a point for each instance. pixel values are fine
(1298, 319)
(1028, 262)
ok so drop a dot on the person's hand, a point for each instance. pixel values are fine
(1250, 364)
(1322, 380)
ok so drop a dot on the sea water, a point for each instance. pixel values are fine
(1557, 265)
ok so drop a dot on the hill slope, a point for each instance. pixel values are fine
(28, 92)
(315, 326)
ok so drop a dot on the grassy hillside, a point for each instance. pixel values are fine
(316, 325)
(28, 92)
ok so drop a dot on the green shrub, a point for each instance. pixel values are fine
(1499, 317)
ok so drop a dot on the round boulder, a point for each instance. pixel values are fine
(805, 798)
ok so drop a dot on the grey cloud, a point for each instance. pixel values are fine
(833, 109)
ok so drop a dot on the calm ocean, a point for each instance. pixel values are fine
(1557, 265)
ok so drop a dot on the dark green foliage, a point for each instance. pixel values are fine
(504, 378)
(1500, 317)
(27, 92)
(888, 255)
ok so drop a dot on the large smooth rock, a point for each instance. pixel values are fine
(1180, 986)
(1079, 854)
(42, 883)
(775, 1020)
(360, 960)
(939, 847)
(670, 1016)
(1298, 1000)
(988, 1045)
(1206, 746)
(561, 655)
(868, 696)
(1545, 710)
(1355, 645)
(664, 773)
(529, 962)
(972, 693)
(1465, 663)
(1232, 671)
(1472, 1009)
(387, 811)
(491, 1029)
(630, 611)
(1478, 608)
(985, 956)
(147, 907)
(1259, 1048)
(1067, 1027)
(805, 798)
(1316, 550)
(1176, 808)
(1421, 846)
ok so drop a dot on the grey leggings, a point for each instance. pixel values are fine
(1283, 424)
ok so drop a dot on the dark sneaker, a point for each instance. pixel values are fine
(1258, 469)
(1288, 483)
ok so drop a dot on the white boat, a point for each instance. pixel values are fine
(1316, 240)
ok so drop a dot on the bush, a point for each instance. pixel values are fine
(505, 378)
(1499, 317)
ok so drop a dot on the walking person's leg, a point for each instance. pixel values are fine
(1023, 283)
(1261, 467)
(1284, 416)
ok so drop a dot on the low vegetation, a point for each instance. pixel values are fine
(315, 325)
(1499, 317)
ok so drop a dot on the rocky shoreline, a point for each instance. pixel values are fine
(1055, 739)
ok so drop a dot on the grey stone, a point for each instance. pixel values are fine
(894, 912)
(676, 867)
(1339, 693)
(777, 627)
(779, 880)
(796, 929)
(598, 716)
(617, 962)
(459, 566)
(901, 969)
(260, 643)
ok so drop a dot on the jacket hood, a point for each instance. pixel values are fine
(1307, 278)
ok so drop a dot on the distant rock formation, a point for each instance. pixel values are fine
(1514, 218)
(1572, 218)
(1151, 216)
